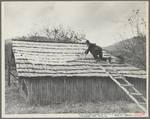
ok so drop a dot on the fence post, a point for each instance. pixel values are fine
(8, 69)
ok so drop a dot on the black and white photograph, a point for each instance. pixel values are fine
(75, 59)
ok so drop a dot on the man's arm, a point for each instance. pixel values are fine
(89, 48)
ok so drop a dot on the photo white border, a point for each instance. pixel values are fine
(97, 115)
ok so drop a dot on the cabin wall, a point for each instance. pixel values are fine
(78, 89)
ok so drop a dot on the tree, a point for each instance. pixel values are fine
(136, 24)
(134, 48)
(59, 34)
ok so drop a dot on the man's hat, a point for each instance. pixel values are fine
(87, 41)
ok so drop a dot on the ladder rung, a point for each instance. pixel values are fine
(109, 69)
(142, 103)
(135, 94)
(118, 77)
(126, 85)
(115, 75)
(112, 72)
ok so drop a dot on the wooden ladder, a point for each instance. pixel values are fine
(115, 76)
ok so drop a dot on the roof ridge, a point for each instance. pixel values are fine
(46, 41)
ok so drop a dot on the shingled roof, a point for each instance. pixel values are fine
(39, 59)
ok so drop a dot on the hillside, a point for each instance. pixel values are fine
(133, 50)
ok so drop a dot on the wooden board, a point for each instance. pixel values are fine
(22, 43)
(132, 72)
(60, 75)
(59, 71)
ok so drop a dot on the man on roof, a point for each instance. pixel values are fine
(96, 51)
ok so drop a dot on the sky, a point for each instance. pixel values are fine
(101, 21)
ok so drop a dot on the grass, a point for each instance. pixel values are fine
(15, 104)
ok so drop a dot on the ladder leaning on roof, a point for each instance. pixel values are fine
(115, 76)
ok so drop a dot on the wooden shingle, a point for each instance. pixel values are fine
(34, 59)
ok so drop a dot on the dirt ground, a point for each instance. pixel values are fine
(15, 104)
